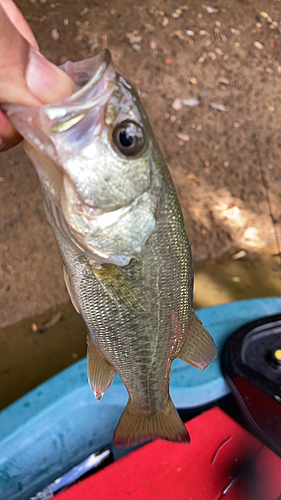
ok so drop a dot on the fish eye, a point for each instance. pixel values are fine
(129, 138)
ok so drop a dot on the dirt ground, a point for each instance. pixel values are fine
(209, 76)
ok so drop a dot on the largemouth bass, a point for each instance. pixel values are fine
(110, 200)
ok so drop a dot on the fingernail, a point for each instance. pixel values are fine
(47, 82)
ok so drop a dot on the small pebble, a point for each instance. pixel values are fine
(183, 137)
(218, 107)
(177, 104)
(239, 255)
(55, 34)
(191, 102)
(271, 108)
(224, 81)
(209, 9)
(235, 31)
(219, 51)
(203, 57)
(258, 45)
(193, 80)
(135, 39)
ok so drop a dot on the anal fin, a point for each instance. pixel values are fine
(100, 372)
(199, 349)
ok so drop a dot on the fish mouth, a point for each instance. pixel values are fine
(87, 73)
(95, 79)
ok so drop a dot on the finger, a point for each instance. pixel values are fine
(26, 77)
(9, 137)
(17, 19)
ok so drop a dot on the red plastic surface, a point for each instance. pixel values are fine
(223, 461)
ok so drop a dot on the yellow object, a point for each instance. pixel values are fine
(278, 354)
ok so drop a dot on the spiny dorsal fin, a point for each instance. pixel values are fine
(119, 286)
(199, 349)
(100, 372)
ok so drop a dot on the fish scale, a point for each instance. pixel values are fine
(111, 202)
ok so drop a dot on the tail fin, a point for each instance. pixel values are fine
(136, 427)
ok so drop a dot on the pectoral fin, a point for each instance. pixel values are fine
(100, 372)
(69, 288)
(119, 286)
(199, 349)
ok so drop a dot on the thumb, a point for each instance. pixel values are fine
(26, 77)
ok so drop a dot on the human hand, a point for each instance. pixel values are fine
(26, 77)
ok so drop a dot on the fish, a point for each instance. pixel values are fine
(111, 202)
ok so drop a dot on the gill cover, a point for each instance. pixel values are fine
(98, 197)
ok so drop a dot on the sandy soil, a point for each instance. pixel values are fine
(223, 151)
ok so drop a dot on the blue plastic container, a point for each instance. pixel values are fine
(58, 424)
